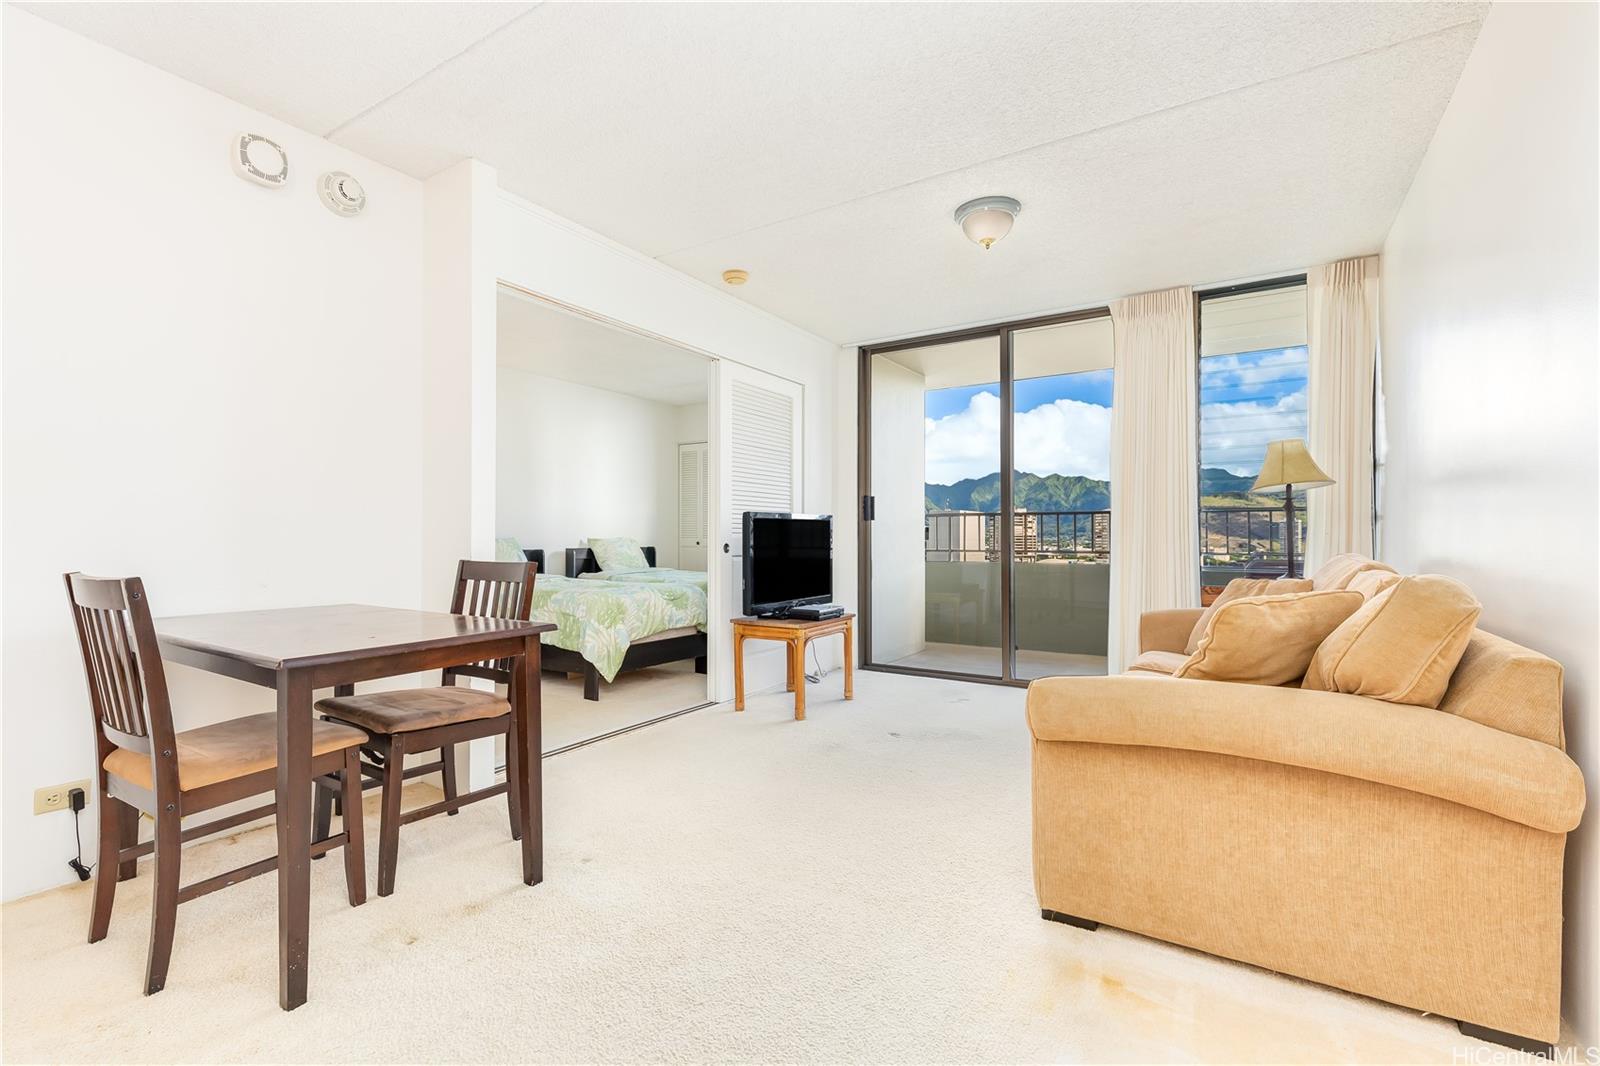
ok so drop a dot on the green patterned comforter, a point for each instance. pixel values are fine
(601, 619)
(658, 575)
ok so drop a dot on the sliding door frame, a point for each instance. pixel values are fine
(1004, 332)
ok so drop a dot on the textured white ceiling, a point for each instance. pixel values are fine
(823, 146)
(542, 339)
(314, 65)
(1267, 179)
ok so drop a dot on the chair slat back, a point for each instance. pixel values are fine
(121, 662)
(492, 590)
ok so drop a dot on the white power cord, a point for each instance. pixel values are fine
(821, 673)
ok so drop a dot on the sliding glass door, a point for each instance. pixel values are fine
(985, 523)
(1061, 498)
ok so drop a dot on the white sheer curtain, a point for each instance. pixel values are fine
(1155, 549)
(1342, 327)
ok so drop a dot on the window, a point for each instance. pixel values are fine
(1253, 377)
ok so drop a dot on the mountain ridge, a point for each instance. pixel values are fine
(1071, 492)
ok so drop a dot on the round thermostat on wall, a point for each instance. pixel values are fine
(258, 159)
(342, 194)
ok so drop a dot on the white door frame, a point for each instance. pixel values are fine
(719, 628)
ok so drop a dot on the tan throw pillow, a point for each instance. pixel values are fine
(1267, 640)
(1371, 582)
(1337, 572)
(1402, 646)
(1238, 588)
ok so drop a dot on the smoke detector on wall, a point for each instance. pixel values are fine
(342, 194)
(735, 277)
(259, 159)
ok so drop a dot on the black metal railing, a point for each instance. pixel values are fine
(1246, 541)
(1234, 541)
(974, 536)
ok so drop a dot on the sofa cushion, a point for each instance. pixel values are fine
(1371, 582)
(1337, 572)
(1239, 588)
(1509, 687)
(1267, 640)
(1402, 645)
(1157, 662)
(1167, 630)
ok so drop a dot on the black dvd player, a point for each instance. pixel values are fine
(816, 612)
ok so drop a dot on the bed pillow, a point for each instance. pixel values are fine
(1267, 640)
(617, 553)
(1239, 588)
(1402, 646)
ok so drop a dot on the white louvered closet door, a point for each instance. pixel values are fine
(757, 442)
(693, 505)
(764, 458)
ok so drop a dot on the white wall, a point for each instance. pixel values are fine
(457, 429)
(1489, 355)
(576, 462)
(564, 262)
(207, 383)
(899, 550)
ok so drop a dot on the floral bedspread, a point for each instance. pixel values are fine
(656, 575)
(601, 619)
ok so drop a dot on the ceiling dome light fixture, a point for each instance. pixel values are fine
(988, 218)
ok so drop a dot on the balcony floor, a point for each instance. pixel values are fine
(969, 659)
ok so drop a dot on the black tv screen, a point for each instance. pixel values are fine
(788, 561)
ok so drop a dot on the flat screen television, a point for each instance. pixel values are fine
(788, 561)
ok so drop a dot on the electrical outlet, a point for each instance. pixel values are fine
(54, 798)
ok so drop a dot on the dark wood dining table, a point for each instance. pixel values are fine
(298, 650)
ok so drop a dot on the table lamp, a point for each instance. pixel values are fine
(1286, 465)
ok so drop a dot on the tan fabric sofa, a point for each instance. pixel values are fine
(1401, 852)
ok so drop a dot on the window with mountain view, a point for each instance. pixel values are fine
(1253, 378)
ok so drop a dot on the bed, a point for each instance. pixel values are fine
(607, 624)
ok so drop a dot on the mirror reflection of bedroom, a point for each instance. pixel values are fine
(601, 471)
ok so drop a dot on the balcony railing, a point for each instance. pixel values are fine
(1234, 541)
(974, 536)
(1246, 542)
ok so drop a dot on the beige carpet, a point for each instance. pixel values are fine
(634, 697)
(719, 887)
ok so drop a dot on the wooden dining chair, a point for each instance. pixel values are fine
(144, 764)
(403, 722)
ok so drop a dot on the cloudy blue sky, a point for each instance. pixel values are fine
(1064, 422)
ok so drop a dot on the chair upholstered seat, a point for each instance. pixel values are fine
(228, 750)
(1158, 662)
(409, 709)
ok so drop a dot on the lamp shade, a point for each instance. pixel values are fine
(1289, 463)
